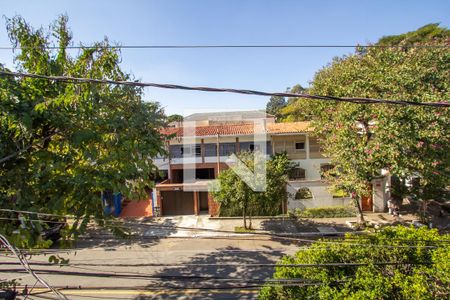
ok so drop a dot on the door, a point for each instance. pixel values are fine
(366, 203)
(203, 201)
(177, 203)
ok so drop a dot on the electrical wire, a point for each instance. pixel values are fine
(223, 46)
(23, 261)
(139, 275)
(246, 265)
(357, 100)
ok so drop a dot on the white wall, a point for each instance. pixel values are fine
(321, 196)
(381, 193)
(312, 167)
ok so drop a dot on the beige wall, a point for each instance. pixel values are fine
(286, 143)
(315, 149)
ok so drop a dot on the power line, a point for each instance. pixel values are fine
(357, 100)
(224, 46)
(246, 265)
(24, 262)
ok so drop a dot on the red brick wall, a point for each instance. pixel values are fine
(213, 206)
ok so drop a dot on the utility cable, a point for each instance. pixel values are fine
(223, 46)
(357, 100)
(23, 261)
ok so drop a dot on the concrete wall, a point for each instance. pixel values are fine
(312, 167)
(381, 193)
(321, 196)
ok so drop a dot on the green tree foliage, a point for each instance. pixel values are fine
(425, 34)
(175, 118)
(421, 272)
(294, 110)
(363, 140)
(275, 105)
(236, 197)
(65, 143)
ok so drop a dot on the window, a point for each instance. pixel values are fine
(185, 150)
(297, 173)
(252, 147)
(227, 149)
(198, 150)
(303, 193)
(299, 146)
(191, 150)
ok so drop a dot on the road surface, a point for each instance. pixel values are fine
(152, 268)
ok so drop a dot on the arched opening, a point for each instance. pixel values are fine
(303, 193)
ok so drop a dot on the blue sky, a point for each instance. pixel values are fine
(227, 22)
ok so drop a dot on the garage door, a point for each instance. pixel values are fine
(177, 203)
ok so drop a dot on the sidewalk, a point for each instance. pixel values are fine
(202, 226)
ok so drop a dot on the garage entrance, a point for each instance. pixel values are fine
(177, 203)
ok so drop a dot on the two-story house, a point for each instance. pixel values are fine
(200, 148)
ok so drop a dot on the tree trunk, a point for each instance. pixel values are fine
(250, 220)
(358, 207)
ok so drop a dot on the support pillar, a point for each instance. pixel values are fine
(196, 203)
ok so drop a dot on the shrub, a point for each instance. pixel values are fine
(326, 212)
(420, 267)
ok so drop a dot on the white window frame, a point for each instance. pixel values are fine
(299, 150)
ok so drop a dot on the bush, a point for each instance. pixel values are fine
(420, 269)
(242, 229)
(326, 212)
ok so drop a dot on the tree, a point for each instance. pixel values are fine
(420, 267)
(293, 110)
(236, 195)
(424, 34)
(275, 105)
(62, 143)
(363, 140)
(175, 118)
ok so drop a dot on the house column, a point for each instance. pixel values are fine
(196, 204)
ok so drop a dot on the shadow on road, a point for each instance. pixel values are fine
(144, 233)
(217, 274)
(308, 227)
(301, 226)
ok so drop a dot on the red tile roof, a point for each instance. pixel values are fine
(238, 129)
(291, 127)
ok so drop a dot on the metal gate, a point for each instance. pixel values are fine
(177, 203)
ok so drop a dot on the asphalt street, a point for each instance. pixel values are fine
(157, 268)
